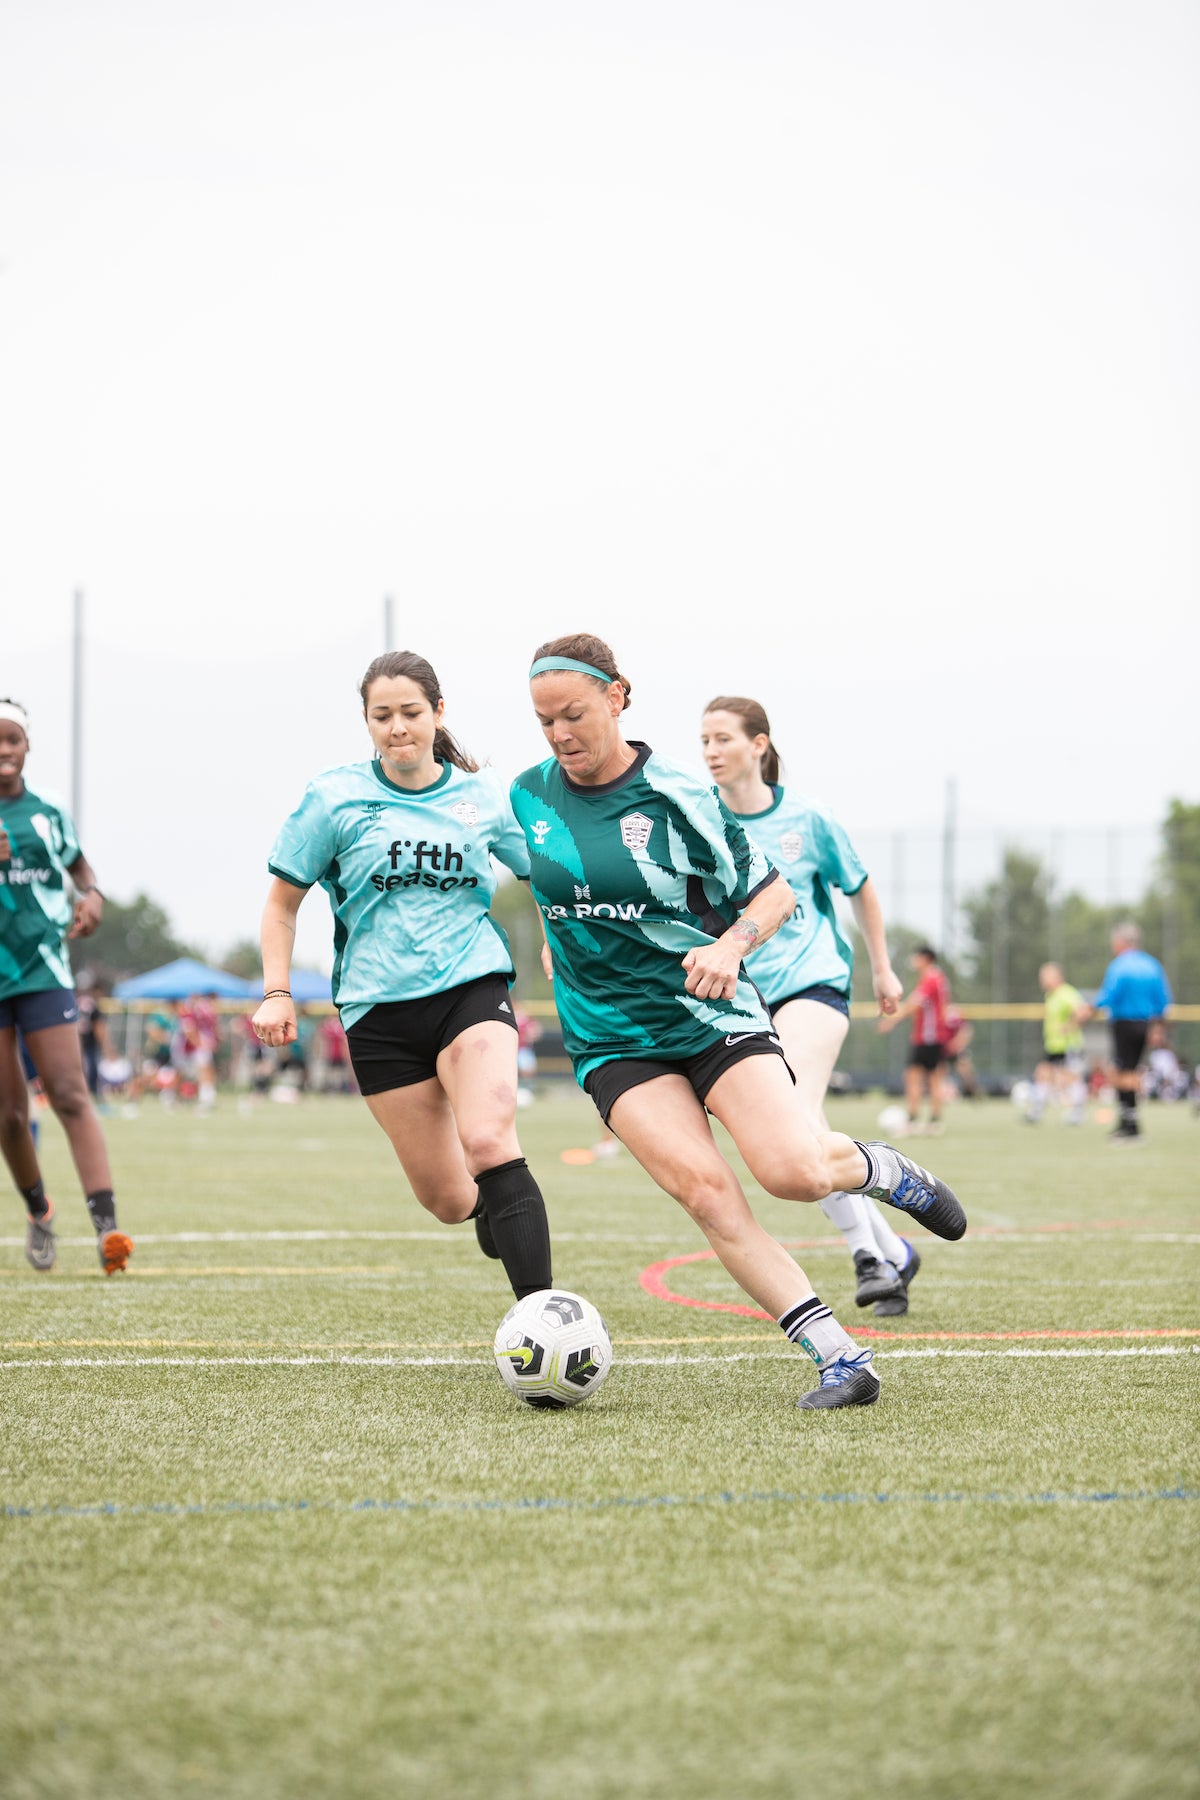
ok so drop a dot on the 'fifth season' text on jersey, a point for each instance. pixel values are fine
(630, 876)
(814, 855)
(35, 907)
(409, 877)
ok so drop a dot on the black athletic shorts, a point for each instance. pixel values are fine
(612, 1079)
(398, 1042)
(823, 993)
(926, 1056)
(1128, 1042)
(40, 1011)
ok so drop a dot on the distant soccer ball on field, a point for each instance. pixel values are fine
(553, 1348)
(893, 1120)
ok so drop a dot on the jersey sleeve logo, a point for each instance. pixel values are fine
(635, 831)
(467, 811)
(791, 846)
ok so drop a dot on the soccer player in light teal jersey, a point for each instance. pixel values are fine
(651, 895)
(39, 854)
(403, 846)
(805, 971)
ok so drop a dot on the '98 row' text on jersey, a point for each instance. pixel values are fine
(630, 876)
(409, 877)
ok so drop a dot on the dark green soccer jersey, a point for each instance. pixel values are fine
(35, 908)
(629, 877)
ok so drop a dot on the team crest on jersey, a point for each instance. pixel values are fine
(372, 810)
(791, 846)
(541, 829)
(635, 831)
(467, 811)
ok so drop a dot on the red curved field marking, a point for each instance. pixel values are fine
(652, 1280)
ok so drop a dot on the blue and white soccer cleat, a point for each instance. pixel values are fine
(929, 1200)
(848, 1381)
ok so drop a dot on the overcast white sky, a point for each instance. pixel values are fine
(841, 355)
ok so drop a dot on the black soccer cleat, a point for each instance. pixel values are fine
(929, 1200)
(897, 1305)
(850, 1381)
(877, 1279)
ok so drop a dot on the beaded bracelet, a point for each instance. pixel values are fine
(278, 994)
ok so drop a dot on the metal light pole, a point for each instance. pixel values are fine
(389, 624)
(949, 844)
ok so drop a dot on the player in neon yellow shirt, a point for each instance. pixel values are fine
(1059, 1075)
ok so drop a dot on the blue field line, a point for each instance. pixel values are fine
(629, 1502)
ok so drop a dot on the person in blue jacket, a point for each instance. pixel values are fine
(1134, 993)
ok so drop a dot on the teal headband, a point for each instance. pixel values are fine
(545, 664)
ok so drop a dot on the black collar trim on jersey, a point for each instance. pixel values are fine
(644, 753)
(767, 810)
(403, 793)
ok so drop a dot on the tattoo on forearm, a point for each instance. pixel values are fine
(747, 934)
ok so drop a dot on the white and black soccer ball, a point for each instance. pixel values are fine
(553, 1348)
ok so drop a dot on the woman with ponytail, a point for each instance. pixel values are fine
(804, 972)
(652, 895)
(403, 846)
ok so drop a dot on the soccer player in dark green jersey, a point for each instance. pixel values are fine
(403, 846)
(651, 896)
(39, 854)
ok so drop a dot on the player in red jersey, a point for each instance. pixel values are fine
(928, 1006)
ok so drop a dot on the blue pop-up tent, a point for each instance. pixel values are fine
(307, 984)
(176, 980)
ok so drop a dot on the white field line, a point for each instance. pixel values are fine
(481, 1361)
(448, 1235)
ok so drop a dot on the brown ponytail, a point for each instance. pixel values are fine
(755, 723)
(395, 663)
(581, 646)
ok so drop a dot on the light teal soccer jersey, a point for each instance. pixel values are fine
(409, 877)
(35, 907)
(629, 877)
(814, 855)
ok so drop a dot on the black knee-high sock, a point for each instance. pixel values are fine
(515, 1211)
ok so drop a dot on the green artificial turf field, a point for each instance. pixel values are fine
(272, 1526)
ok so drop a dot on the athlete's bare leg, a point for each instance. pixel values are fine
(16, 1142)
(419, 1121)
(478, 1070)
(812, 1036)
(59, 1062)
(664, 1126)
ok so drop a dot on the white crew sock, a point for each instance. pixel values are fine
(812, 1327)
(848, 1212)
(884, 1170)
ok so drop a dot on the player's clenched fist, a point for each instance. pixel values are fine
(275, 1022)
